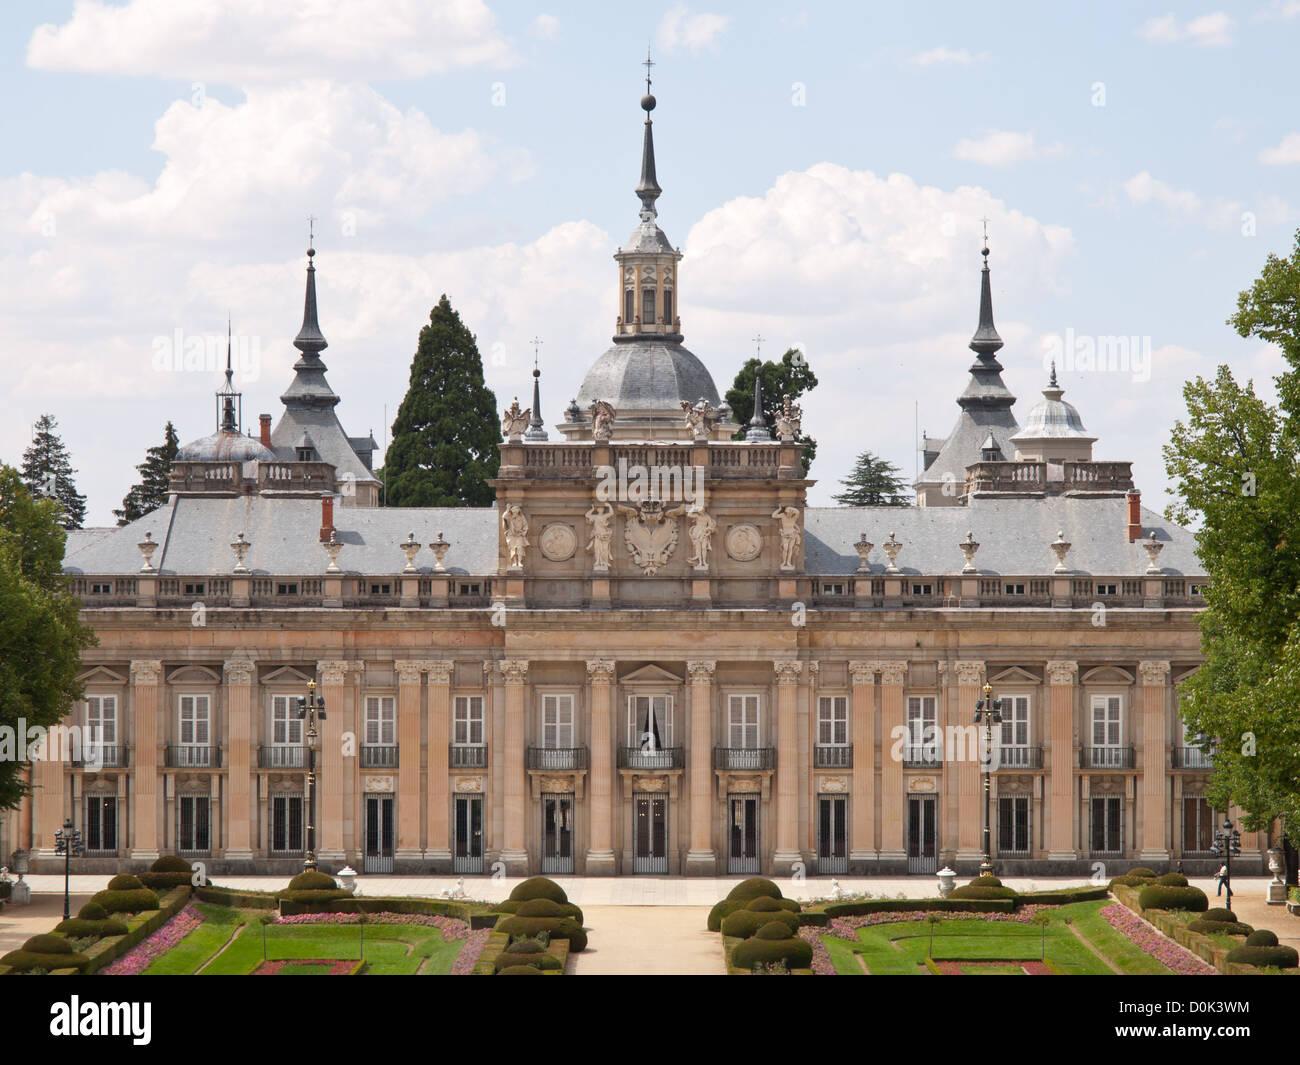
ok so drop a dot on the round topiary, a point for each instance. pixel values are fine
(1278, 957)
(1142, 871)
(540, 908)
(1219, 928)
(538, 887)
(21, 961)
(764, 904)
(743, 923)
(970, 891)
(312, 880)
(1172, 880)
(126, 901)
(795, 952)
(555, 927)
(1261, 937)
(753, 888)
(1158, 897)
(543, 961)
(520, 970)
(47, 944)
(125, 882)
(509, 906)
(525, 946)
(92, 911)
(1218, 914)
(170, 863)
(773, 930)
(720, 910)
(77, 927)
(986, 881)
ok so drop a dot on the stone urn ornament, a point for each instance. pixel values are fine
(891, 547)
(440, 547)
(1152, 547)
(240, 547)
(863, 548)
(332, 548)
(410, 548)
(147, 548)
(1061, 547)
(968, 548)
(947, 881)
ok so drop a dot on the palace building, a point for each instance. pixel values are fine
(650, 655)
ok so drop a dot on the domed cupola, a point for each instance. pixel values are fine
(1053, 432)
(227, 444)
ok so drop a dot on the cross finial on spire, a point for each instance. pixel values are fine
(536, 342)
(647, 63)
(985, 249)
(758, 346)
(311, 231)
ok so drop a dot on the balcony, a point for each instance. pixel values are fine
(651, 758)
(282, 757)
(832, 757)
(467, 756)
(570, 758)
(744, 757)
(378, 756)
(101, 756)
(1106, 758)
(1193, 758)
(192, 756)
(1018, 758)
(922, 756)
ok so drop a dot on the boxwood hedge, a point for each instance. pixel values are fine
(1158, 897)
(1279, 957)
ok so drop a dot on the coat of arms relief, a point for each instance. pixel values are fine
(650, 533)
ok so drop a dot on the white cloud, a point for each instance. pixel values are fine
(1286, 153)
(1003, 147)
(693, 31)
(546, 26)
(1143, 189)
(251, 41)
(1208, 31)
(945, 55)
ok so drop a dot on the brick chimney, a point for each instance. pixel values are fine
(265, 419)
(1134, 515)
(328, 518)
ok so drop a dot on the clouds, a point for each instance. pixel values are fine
(1218, 213)
(1003, 148)
(945, 56)
(250, 41)
(1206, 31)
(1287, 152)
(1143, 189)
(685, 30)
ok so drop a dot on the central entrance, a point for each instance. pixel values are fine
(378, 856)
(467, 845)
(742, 834)
(832, 834)
(650, 834)
(557, 833)
(922, 838)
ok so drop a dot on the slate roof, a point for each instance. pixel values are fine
(647, 373)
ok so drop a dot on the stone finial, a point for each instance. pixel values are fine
(514, 421)
(1061, 547)
(1152, 547)
(410, 548)
(700, 419)
(602, 420)
(891, 547)
(863, 548)
(789, 419)
(147, 548)
(968, 548)
(440, 547)
(332, 548)
(240, 547)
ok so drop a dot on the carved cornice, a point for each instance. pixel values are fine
(514, 670)
(600, 670)
(146, 671)
(701, 670)
(1154, 674)
(863, 673)
(1062, 674)
(893, 672)
(408, 671)
(788, 672)
(240, 671)
(970, 674)
(440, 670)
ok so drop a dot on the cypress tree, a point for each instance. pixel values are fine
(155, 472)
(47, 471)
(447, 432)
(791, 376)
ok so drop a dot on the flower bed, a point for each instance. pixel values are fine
(450, 927)
(1164, 950)
(135, 961)
(821, 961)
(847, 927)
(285, 967)
(960, 968)
(469, 953)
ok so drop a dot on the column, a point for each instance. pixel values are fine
(893, 796)
(240, 674)
(862, 817)
(49, 795)
(438, 848)
(1062, 845)
(408, 760)
(515, 853)
(600, 677)
(787, 768)
(970, 776)
(700, 858)
(146, 685)
(1153, 693)
(331, 767)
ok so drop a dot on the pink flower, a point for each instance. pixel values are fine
(1160, 947)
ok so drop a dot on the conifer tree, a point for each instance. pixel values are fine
(155, 473)
(447, 432)
(874, 482)
(47, 471)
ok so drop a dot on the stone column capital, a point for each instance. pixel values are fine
(145, 671)
(893, 673)
(701, 670)
(239, 670)
(1061, 674)
(440, 670)
(970, 673)
(332, 671)
(600, 670)
(1154, 674)
(787, 672)
(863, 673)
(514, 670)
(408, 671)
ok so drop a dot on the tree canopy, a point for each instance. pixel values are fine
(47, 471)
(155, 473)
(791, 376)
(874, 482)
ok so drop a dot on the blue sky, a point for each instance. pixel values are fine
(825, 169)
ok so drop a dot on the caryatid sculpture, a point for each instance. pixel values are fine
(791, 536)
(514, 524)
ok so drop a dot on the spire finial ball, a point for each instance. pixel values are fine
(647, 103)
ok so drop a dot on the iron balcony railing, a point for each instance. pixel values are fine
(282, 757)
(826, 756)
(1106, 758)
(1017, 758)
(744, 757)
(468, 756)
(1193, 758)
(378, 756)
(651, 758)
(557, 758)
(103, 755)
(922, 756)
(191, 756)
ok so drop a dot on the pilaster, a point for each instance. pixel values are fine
(701, 860)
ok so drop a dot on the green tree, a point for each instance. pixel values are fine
(874, 482)
(41, 634)
(47, 471)
(791, 376)
(155, 473)
(446, 436)
(1237, 479)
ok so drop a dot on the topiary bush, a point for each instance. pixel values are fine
(46, 943)
(125, 882)
(1142, 871)
(1219, 928)
(1158, 897)
(526, 946)
(520, 970)
(541, 961)
(1172, 880)
(538, 887)
(1218, 914)
(168, 871)
(509, 906)
(312, 880)
(555, 927)
(92, 911)
(1279, 957)
(133, 901)
(170, 863)
(753, 888)
(772, 944)
(77, 927)
(986, 880)
(721, 909)
(1261, 937)
(970, 891)
(745, 923)
(763, 904)
(547, 908)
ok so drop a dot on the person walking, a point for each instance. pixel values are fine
(1222, 875)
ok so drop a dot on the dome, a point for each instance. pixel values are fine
(1053, 419)
(225, 447)
(647, 374)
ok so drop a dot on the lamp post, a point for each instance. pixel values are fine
(311, 706)
(67, 841)
(989, 711)
(1227, 844)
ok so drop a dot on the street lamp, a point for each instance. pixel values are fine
(989, 711)
(67, 841)
(1227, 845)
(311, 706)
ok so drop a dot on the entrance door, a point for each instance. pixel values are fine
(832, 834)
(467, 823)
(742, 834)
(379, 834)
(557, 833)
(922, 844)
(650, 834)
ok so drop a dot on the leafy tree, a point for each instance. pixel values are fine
(155, 472)
(47, 471)
(791, 376)
(1237, 475)
(446, 436)
(874, 482)
(41, 634)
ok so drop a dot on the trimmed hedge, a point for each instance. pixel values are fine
(746, 923)
(986, 880)
(1157, 897)
(92, 911)
(1261, 937)
(543, 961)
(753, 888)
(364, 904)
(547, 908)
(520, 970)
(1172, 880)
(235, 900)
(125, 882)
(509, 906)
(555, 927)
(795, 952)
(1062, 898)
(525, 946)
(538, 887)
(1218, 914)
(948, 905)
(45, 951)
(970, 891)
(1142, 871)
(1223, 928)
(168, 871)
(76, 927)
(721, 909)
(1279, 957)
(312, 880)
(171, 863)
(126, 901)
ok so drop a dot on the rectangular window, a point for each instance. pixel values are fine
(629, 306)
(1013, 589)
(922, 589)
(1107, 721)
(193, 726)
(381, 721)
(832, 589)
(1198, 825)
(286, 727)
(287, 823)
(192, 833)
(833, 720)
(290, 588)
(649, 722)
(101, 823)
(1105, 589)
(647, 306)
(467, 721)
(381, 589)
(557, 721)
(742, 721)
(101, 589)
(922, 728)
(100, 742)
(1013, 824)
(668, 306)
(1107, 834)
(1015, 721)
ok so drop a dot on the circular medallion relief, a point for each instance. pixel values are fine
(744, 543)
(558, 543)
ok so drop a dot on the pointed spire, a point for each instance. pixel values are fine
(226, 396)
(758, 429)
(309, 387)
(648, 188)
(310, 341)
(986, 342)
(536, 430)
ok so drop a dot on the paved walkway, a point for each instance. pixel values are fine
(19, 923)
(648, 941)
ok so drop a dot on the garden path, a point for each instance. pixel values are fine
(648, 941)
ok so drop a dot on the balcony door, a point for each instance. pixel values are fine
(557, 833)
(650, 834)
(742, 834)
(1107, 732)
(378, 857)
(557, 732)
(832, 834)
(467, 825)
(193, 731)
(922, 835)
(650, 731)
